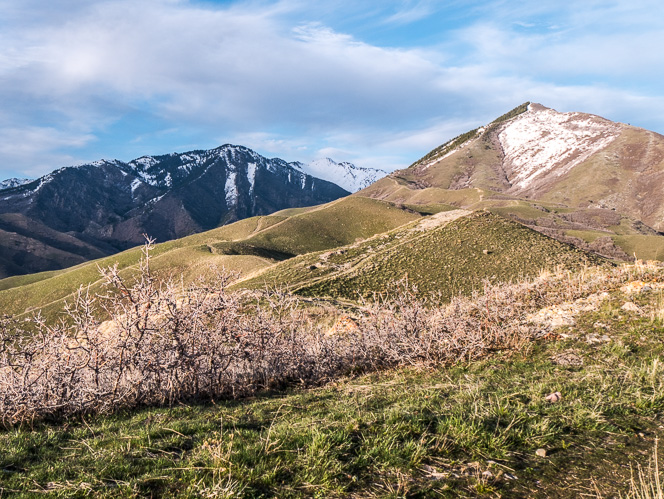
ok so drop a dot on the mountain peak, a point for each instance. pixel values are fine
(572, 160)
(535, 107)
(10, 183)
(345, 174)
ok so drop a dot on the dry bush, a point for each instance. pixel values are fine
(163, 344)
(167, 343)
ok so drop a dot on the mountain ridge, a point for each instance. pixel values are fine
(108, 205)
(345, 174)
(10, 183)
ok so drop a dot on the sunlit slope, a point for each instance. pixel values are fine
(245, 247)
(443, 255)
(335, 224)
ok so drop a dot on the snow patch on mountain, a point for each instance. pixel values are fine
(144, 162)
(135, 184)
(542, 141)
(46, 179)
(147, 178)
(230, 189)
(346, 175)
(251, 176)
(14, 182)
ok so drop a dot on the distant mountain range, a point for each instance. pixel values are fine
(575, 177)
(14, 182)
(347, 175)
(77, 213)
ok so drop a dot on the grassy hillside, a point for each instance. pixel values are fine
(571, 225)
(334, 250)
(245, 247)
(336, 224)
(445, 255)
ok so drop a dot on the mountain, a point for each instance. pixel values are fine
(575, 176)
(77, 213)
(13, 182)
(347, 175)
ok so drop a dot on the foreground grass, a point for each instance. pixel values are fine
(464, 431)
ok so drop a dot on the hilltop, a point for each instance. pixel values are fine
(444, 255)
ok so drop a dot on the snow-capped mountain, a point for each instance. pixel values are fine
(13, 182)
(347, 175)
(87, 211)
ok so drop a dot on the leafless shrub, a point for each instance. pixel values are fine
(166, 342)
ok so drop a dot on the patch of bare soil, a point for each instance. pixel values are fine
(440, 219)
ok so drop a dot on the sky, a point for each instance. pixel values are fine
(376, 82)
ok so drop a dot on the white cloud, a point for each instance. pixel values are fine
(411, 11)
(274, 76)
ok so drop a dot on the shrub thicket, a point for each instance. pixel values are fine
(165, 343)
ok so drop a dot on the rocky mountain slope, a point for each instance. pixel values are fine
(574, 176)
(77, 213)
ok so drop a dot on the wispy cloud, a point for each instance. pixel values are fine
(410, 11)
(39, 147)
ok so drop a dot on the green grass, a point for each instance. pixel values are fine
(587, 235)
(521, 209)
(339, 223)
(451, 260)
(388, 189)
(442, 262)
(645, 247)
(289, 212)
(262, 241)
(22, 280)
(403, 433)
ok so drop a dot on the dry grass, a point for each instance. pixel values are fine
(647, 484)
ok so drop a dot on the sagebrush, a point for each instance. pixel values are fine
(164, 343)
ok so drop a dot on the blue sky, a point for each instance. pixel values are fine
(379, 83)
